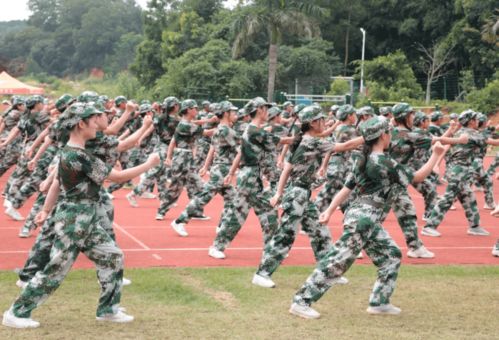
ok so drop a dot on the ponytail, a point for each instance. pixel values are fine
(366, 151)
(298, 138)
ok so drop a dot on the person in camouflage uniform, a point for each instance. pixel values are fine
(164, 129)
(29, 127)
(9, 154)
(481, 178)
(180, 159)
(305, 159)
(203, 142)
(242, 122)
(270, 159)
(250, 193)
(460, 174)
(374, 175)
(77, 228)
(386, 111)
(222, 152)
(339, 163)
(105, 147)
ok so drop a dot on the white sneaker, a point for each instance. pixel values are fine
(305, 312)
(421, 252)
(111, 196)
(120, 317)
(160, 217)
(495, 250)
(303, 232)
(215, 253)
(478, 231)
(10, 320)
(384, 309)
(21, 284)
(179, 228)
(340, 281)
(25, 233)
(360, 255)
(126, 282)
(131, 199)
(489, 207)
(201, 218)
(6, 203)
(262, 281)
(14, 214)
(427, 231)
(148, 195)
(453, 207)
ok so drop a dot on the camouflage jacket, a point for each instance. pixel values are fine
(404, 143)
(463, 154)
(186, 134)
(255, 142)
(225, 142)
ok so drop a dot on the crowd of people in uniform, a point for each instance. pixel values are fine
(360, 161)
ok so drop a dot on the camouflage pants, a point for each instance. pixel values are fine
(271, 172)
(76, 232)
(429, 192)
(329, 190)
(458, 187)
(249, 194)
(483, 179)
(361, 231)
(35, 209)
(182, 174)
(202, 148)
(298, 208)
(16, 180)
(493, 166)
(10, 155)
(158, 174)
(215, 185)
(39, 254)
(403, 208)
(31, 184)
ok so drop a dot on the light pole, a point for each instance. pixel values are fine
(362, 61)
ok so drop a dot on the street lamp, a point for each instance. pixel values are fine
(362, 62)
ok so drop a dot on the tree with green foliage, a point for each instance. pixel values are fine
(275, 17)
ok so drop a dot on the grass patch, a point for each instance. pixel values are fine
(441, 302)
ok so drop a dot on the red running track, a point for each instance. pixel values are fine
(150, 243)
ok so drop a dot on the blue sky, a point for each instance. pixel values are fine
(18, 9)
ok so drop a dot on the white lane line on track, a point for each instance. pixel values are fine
(139, 242)
(157, 257)
(133, 250)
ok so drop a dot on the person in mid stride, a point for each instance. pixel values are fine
(373, 176)
(77, 226)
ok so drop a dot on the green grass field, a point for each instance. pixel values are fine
(438, 302)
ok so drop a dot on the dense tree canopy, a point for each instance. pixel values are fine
(201, 48)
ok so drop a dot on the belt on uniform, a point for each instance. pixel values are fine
(371, 202)
(300, 185)
(183, 149)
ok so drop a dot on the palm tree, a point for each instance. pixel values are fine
(276, 17)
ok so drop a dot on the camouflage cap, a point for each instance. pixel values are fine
(33, 100)
(419, 118)
(298, 108)
(226, 106)
(145, 101)
(311, 113)
(286, 104)
(120, 99)
(169, 102)
(453, 115)
(255, 103)
(64, 101)
(241, 113)
(16, 100)
(217, 109)
(103, 99)
(334, 108)
(481, 117)
(466, 116)
(144, 108)
(205, 102)
(188, 104)
(88, 96)
(274, 111)
(76, 113)
(436, 116)
(344, 111)
(365, 111)
(385, 110)
(374, 127)
(401, 110)
(212, 107)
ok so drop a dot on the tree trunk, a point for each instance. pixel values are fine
(272, 71)
(429, 80)
(347, 38)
